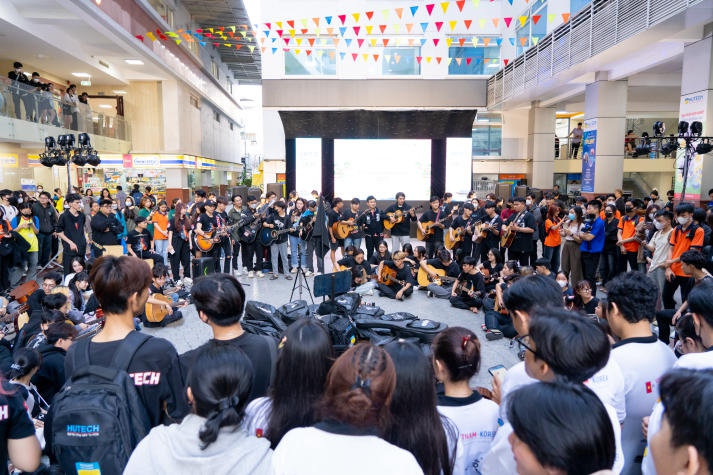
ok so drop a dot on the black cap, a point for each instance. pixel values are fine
(140, 219)
(209, 203)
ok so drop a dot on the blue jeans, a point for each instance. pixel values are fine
(349, 241)
(553, 255)
(295, 244)
(160, 247)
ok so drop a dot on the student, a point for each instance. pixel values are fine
(354, 412)
(19, 444)
(641, 356)
(138, 242)
(211, 438)
(334, 216)
(25, 365)
(553, 240)
(434, 239)
(121, 286)
(159, 218)
(362, 271)
(492, 223)
(496, 321)
(686, 235)
(159, 274)
(372, 221)
(684, 444)
(560, 411)
(430, 437)
(279, 221)
(627, 239)
(50, 377)
(583, 298)
(219, 300)
(542, 267)
(28, 227)
(382, 253)
(403, 286)
(180, 229)
(400, 231)
(491, 268)
(571, 258)
(471, 296)
(592, 236)
(306, 354)
(443, 262)
(456, 359)
(350, 216)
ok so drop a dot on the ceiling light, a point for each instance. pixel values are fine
(119, 91)
(82, 75)
(134, 62)
(105, 106)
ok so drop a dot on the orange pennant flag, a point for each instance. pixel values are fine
(311, 41)
(467, 24)
(316, 21)
(376, 57)
(332, 54)
(382, 28)
(458, 60)
(438, 59)
(330, 31)
(369, 15)
(565, 17)
(399, 12)
(486, 41)
(461, 41)
(410, 41)
(496, 21)
(461, 4)
(523, 40)
(409, 26)
(385, 41)
(238, 46)
(291, 23)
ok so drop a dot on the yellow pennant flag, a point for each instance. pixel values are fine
(292, 33)
(304, 22)
(368, 29)
(232, 28)
(151, 36)
(243, 34)
(252, 48)
(317, 32)
(279, 25)
(178, 42)
(385, 13)
(453, 24)
(449, 61)
(297, 51)
(356, 17)
(534, 40)
(387, 57)
(299, 41)
(428, 59)
(482, 22)
(397, 27)
(523, 19)
(324, 41)
(475, 42)
(476, 3)
(365, 56)
(449, 41)
(226, 44)
(550, 17)
(444, 6)
(373, 42)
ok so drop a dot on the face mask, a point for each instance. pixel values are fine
(682, 220)
(658, 225)
(528, 202)
(628, 209)
(592, 216)
(127, 203)
(608, 214)
(253, 206)
(610, 202)
(571, 216)
(114, 206)
(562, 283)
(652, 216)
(20, 200)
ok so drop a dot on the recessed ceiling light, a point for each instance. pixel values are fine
(134, 62)
(82, 75)
(119, 91)
(105, 106)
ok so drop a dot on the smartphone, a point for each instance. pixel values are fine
(498, 371)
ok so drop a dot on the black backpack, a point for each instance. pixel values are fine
(97, 417)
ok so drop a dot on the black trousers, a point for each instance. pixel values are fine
(630, 259)
(67, 256)
(498, 321)
(669, 289)
(391, 291)
(523, 257)
(372, 243)
(227, 249)
(44, 241)
(181, 257)
(236, 252)
(465, 302)
(664, 318)
(590, 263)
(250, 251)
(431, 247)
(463, 249)
(151, 255)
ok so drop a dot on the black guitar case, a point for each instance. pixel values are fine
(265, 312)
(402, 326)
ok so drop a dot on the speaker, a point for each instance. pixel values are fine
(202, 266)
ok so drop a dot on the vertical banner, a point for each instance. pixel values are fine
(589, 155)
(693, 108)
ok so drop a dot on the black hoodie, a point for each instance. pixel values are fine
(49, 379)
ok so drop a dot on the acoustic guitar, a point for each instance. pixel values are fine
(270, 235)
(388, 276)
(424, 278)
(398, 216)
(507, 236)
(155, 313)
(481, 232)
(458, 234)
(206, 242)
(429, 226)
(342, 229)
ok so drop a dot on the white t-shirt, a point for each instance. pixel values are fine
(313, 451)
(691, 361)
(660, 242)
(642, 361)
(476, 419)
(515, 378)
(257, 416)
(608, 384)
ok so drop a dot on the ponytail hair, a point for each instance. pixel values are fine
(220, 379)
(459, 350)
(24, 362)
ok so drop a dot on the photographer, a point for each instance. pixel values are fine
(592, 236)
(105, 228)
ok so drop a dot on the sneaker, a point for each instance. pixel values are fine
(493, 334)
(288, 277)
(429, 293)
(273, 277)
(317, 273)
(260, 274)
(308, 273)
(484, 327)
(293, 270)
(251, 274)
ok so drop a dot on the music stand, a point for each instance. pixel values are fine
(336, 283)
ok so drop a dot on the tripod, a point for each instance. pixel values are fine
(300, 277)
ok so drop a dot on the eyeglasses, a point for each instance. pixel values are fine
(584, 289)
(524, 341)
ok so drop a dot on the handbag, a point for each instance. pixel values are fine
(6, 247)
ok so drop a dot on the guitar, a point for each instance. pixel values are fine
(398, 216)
(306, 229)
(269, 235)
(508, 235)
(155, 313)
(424, 278)
(429, 226)
(458, 234)
(206, 242)
(388, 277)
(481, 232)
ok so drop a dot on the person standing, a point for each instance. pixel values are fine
(20, 87)
(350, 216)
(319, 242)
(279, 221)
(609, 264)
(120, 197)
(251, 245)
(658, 246)
(434, 234)
(492, 224)
(627, 239)
(223, 245)
(48, 217)
(522, 223)
(179, 249)
(373, 224)
(70, 229)
(334, 217)
(105, 228)
(298, 248)
(577, 133)
(400, 231)
(70, 107)
(592, 236)
(553, 240)
(236, 216)
(687, 235)
(28, 227)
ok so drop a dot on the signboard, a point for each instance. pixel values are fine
(693, 108)
(589, 155)
(146, 161)
(8, 160)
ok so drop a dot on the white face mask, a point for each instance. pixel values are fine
(127, 203)
(658, 225)
(528, 202)
(562, 283)
(114, 206)
(682, 220)
(652, 216)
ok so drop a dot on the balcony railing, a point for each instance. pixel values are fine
(639, 147)
(44, 107)
(604, 24)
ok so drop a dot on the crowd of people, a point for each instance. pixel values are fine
(245, 403)
(44, 102)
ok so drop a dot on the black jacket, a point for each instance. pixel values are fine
(47, 216)
(105, 229)
(50, 378)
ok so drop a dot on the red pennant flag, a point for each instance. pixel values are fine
(382, 28)
(304, 31)
(221, 28)
(565, 17)
(460, 4)
(360, 41)
(467, 24)
(507, 21)
(468, 61)
(199, 30)
(418, 59)
(461, 41)
(231, 34)
(356, 30)
(506, 61)
(311, 41)
(354, 56)
(376, 57)
(342, 18)
(287, 41)
(438, 59)
(279, 33)
(386, 41)
(140, 38)
(439, 25)
(309, 52)
(238, 46)
(291, 23)
(269, 26)
(429, 8)
(435, 41)
(535, 19)
(369, 15)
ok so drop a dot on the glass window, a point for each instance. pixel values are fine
(487, 135)
(321, 62)
(525, 33)
(401, 60)
(474, 59)
(576, 5)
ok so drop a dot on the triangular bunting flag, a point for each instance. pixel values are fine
(316, 21)
(286, 40)
(279, 24)
(411, 41)
(335, 41)
(523, 40)
(461, 41)
(418, 59)
(332, 54)
(279, 33)
(308, 52)
(468, 61)
(453, 24)
(449, 61)
(274, 50)
(369, 15)
(356, 17)
(512, 41)
(535, 39)
(299, 41)
(342, 54)
(486, 42)
(460, 4)
(510, 1)
(292, 33)
(385, 41)
(178, 42)
(372, 41)
(329, 20)
(268, 25)
(397, 28)
(499, 41)
(439, 25)
(458, 61)
(435, 41)
(348, 41)
(551, 17)
(414, 9)
(291, 23)
(438, 59)
(387, 57)
(330, 31)
(297, 51)
(385, 13)
(429, 8)
(449, 42)
(365, 56)
(565, 17)
(140, 38)
(467, 23)
(507, 21)
(263, 50)
(303, 22)
(408, 27)
(423, 41)
(495, 22)
(354, 57)
(342, 30)
(376, 57)
(342, 18)
(382, 28)
(399, 12)
(506, 61)
(424, 26)
(356, 30)
(474, 41)
(535, 19)
(368, 29)
(444, 6)
(303, 31)
(523, 19)
(476, 3)
(360, 41)
(311, 41)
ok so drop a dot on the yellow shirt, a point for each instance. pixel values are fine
(28, 233)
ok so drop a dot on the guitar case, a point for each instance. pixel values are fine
(368, 311)
(341, 330)
(345, 304)
(264, 312)
(292, 311)
(259, 327)
(402, 325)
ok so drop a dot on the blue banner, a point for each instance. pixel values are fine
(589, 158)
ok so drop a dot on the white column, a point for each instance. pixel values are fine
(541, 139)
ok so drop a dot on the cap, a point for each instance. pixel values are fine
(209, 203)
(140, 219)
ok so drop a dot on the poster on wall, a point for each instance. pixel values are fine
(693, 108)
(589, 155)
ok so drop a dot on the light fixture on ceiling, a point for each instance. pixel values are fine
(134, 62)
(119, 91)
(105, 106)
(81, 75)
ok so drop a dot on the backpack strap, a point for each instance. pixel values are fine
(80, 354)
(128, 349)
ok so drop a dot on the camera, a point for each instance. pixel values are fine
(587, 223)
